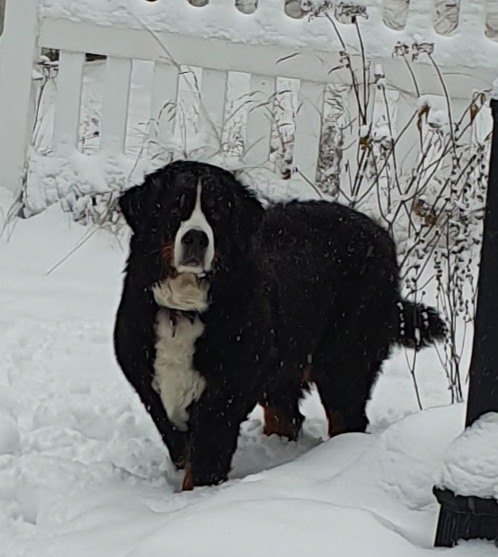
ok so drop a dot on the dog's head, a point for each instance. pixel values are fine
(192, 216)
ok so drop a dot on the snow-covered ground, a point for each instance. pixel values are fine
(84, 474)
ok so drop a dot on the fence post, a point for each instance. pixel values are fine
(16, 67)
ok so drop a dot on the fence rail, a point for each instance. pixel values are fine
(266, 45)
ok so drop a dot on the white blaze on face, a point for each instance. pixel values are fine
(196, 221)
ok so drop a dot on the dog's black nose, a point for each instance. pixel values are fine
(195, 240)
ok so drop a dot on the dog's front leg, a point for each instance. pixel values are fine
(214, 430)
(174, 439)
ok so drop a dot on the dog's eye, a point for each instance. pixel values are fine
(214, 210)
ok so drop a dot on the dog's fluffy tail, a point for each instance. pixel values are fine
(419, 325)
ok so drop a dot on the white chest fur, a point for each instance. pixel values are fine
(183, 292)
(176, 381)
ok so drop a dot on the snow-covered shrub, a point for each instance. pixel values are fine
(433, 203)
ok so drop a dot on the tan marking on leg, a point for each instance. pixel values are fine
(277, 424)
(336, 423)
(188, 480)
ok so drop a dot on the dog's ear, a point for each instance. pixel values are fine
(139, 204)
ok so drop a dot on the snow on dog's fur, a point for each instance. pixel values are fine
(226, 305)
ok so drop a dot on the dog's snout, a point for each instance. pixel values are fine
(196, 240)
(194, 247)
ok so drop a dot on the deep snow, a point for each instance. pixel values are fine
(83, 472)
(470, 462)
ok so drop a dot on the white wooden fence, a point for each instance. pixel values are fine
(266, 44)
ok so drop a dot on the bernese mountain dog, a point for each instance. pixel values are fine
(227, 304)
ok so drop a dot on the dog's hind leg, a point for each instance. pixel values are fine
(281, 410)
(344, 371)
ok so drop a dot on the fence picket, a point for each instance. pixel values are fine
(164, 102)
(308, 129)
(259, 119)
(384, 123)
(213, 100)
(116, 100)
(407, 132)
(68, 103)
(19, 50)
